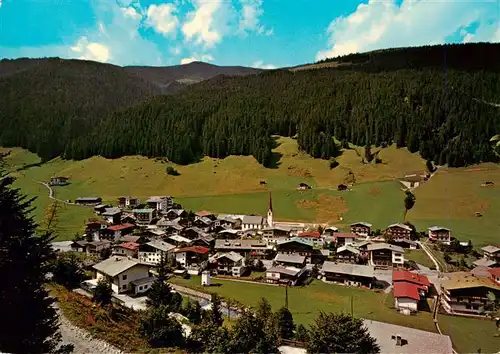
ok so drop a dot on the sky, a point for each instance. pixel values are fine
(257, 33)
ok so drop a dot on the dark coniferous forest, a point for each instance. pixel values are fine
(429, 99)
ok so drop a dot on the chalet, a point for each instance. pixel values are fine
(463, 292)
(348, 274)
(112, 215)
(405, 340)
(128, 202)
(153, 251)
(133, 238)
(330, 230)
(169, 226)
(385, 255)
(58, 181)
(205, 214)
(362, 245)
(405, 243)
(254, 249)
(439, 234)
(344, 238)
(100, 208)
(227, 262)
(205, 241)
(312, 236)
(88, 200)
(272, 234)
(203, 223)
(79, 246)
(179, 240)
(194, 233)
(284, 275)
(347, 254)
(495, 275)
(255, 222)
(399, 231)
(189, 256)
(491, 252)
(125, 274)
(361, 228)
(409, 289)
(129, 249)
(228, 222)
(413, 179)
(290, 260)
(299, 246)
(421, 280)
(159, 203)
(145, 216)
(154, 233)
(115, 232)
(175, 213)
(94, 248)
(94, 228)
(303, 186)
(128, 218)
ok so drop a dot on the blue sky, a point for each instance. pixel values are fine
(259, 33)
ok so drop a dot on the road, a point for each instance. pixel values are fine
(51, 193)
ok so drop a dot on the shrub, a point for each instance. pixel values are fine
(172, 171)
(333, 163)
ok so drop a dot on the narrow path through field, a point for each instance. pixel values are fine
(52, 194)
(431, 256)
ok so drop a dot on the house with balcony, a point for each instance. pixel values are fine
(160, 203)
(348, 274)
(254, 249)
(385, 255)
(273, 234)
(128, 202)
(347, 254)
(285, 275)
(345, 238)
(312, 236)
(491, 252)
(463, 292)
(115, 232)
(191, 257)
(145, 216)
(439, 234)
(95, 228)
(361, 228)
(124, 274)
(230, 263)
(94, 248)
(409, 289)
(399, 231)
(128, 249)
(153, 251)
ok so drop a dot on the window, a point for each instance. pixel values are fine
(124, 277)
(140, 288)
(124, 287)
(467, 306)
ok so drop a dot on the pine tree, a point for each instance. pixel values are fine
(30, 321)
(286, 326)
(160, 329)
(102, 293)
(160, 293)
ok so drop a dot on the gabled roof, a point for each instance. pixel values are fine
(253, 219)
(111, 211)
(348, 248)
(129, 245)
(157, 199)
(235, 257)
(143, 211)
(405, 289)
(349, 269)
(362, 223)
(438, 228)
(115, 265)
(401, 226)
(311, 234)
(384, 246)
(407, 276)
(130, 238)
(291, 271)
(290, 258)
(176, 211)
(202, 213)
(296, 239)
(490, 249)
(120, 227)
(484, 262)
(161, 245)
(178, 238)
(494, 271)
(464, 280)
(194, 249)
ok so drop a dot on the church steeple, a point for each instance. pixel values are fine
(270, 212)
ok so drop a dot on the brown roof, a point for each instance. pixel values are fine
(203, 213)
(194, 249)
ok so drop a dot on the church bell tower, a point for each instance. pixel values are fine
(270, 212)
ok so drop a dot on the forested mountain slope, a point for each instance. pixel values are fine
(428, 109)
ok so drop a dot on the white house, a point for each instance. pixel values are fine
(385, 255)
(153, 251)
(121, 272)
(252, 222)
(128, 249)
(160, 203)
(406, 297)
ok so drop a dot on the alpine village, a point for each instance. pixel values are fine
(350, 208)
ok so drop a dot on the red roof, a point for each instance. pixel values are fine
(129, 245)
(406, 276)
(405, 289)
(345, 235)
(494, 271)
(120, 227)
(203, 213)
(194, 249)
(314, 234)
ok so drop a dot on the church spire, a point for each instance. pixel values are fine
(270, 212)
(270, 202)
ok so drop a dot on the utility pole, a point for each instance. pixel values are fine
(286, 295)
(352, 306)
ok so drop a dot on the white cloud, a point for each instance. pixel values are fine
(91, 50)
(251, 11)
(383, 24)
(196, 57)
(259, 64)
(162, 18)
(131, 13)
(0, 3)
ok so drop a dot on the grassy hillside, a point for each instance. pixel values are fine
(232, 185)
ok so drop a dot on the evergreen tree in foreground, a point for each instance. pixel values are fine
(30, 322)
